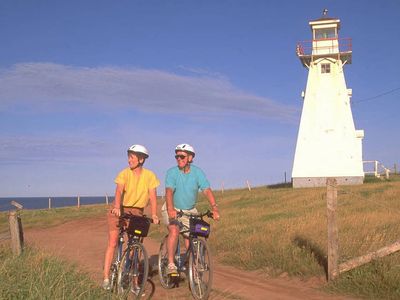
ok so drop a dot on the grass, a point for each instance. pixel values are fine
(283, 230)
(280, 230)
(35, 275)
(55, 216)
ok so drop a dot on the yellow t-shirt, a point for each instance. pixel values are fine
(136, 188)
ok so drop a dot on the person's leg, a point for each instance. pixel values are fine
(112, 244)
(172, 241)
(113, 231)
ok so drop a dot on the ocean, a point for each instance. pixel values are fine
(43, 202)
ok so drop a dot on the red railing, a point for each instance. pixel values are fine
(323, 46)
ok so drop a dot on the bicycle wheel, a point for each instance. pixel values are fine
(165, 280)
(133, 271)
(200, 269)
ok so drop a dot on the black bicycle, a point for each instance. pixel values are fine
(129, 271)
(195, 262)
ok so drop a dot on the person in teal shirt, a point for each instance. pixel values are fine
(182, 184)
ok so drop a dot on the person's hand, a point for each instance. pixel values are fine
(215, 212)
(156, 220)
(116, 211)
(172, 213)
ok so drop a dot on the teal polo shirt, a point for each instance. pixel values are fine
(185, 186)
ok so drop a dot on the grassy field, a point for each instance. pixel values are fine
(51, 217)
(283, 232)
(35, 275)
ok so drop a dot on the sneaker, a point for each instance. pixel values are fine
(106, 284)
(172, 269)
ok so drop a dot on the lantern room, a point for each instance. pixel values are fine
(325, 42)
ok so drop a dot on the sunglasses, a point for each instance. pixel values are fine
(180, 156)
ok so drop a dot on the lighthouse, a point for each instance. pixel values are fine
(328, 145)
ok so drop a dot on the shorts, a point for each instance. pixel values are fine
(184, 219)
(114, 222)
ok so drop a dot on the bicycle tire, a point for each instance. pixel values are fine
(133, 272)
(200, 269)
(165, 279)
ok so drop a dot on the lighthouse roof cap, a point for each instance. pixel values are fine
(324, 21)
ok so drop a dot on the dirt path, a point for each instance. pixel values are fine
(83, 242)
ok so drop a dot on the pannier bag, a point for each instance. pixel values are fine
(199, 227)
(138, 226)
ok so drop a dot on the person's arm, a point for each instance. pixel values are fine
(211, 199)
(153, 205)
(169, 195)
(117, 200)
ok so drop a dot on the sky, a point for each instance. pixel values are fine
(81, 81)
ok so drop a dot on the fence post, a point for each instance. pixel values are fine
(17, 236)
(333, 257)
(248, 185)
(222, 187)
(395, 169)
(79, 201)
(49, 203)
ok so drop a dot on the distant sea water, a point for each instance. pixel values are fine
(43, 202)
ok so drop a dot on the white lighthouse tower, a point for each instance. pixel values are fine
(328, 145)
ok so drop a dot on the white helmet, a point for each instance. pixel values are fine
(139, 149)
(185, 148)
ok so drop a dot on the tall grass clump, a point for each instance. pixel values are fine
(34, 275)
(284, 231)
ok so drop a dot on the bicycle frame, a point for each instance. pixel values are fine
(196, 260)
(178, 257)
(131, 262)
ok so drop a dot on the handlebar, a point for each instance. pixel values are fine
(207, 213)
(127, 217)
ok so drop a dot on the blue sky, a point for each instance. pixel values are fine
(80, 81)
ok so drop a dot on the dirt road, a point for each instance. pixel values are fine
(83, 242)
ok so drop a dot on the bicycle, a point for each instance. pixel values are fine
(197, 257)
(129, 270)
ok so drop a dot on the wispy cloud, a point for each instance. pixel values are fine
(50, 148)
(48, 86)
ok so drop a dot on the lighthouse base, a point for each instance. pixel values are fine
(303, 182)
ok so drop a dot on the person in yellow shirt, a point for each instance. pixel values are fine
(135, 187)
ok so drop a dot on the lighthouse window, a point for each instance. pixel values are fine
(326, 33)
(325, 68)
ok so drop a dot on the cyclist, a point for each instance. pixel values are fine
(135, 187)
(182, 184)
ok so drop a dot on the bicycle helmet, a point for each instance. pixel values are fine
(139, 149)
(185, 148)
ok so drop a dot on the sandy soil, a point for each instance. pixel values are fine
(83, 242)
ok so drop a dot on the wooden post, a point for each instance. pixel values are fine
(106, 199)
(333, 257)
(49, 203)
(376, 168)
(17, 236)
(395, 169)
(285, 177)
(248, 185)
(387, 173)
(222, 187)
(79, 201)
